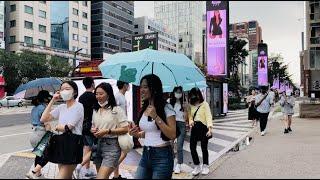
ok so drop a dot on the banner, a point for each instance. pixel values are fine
(225, 97)
(217, 34)
(263, 65)
(2, 84)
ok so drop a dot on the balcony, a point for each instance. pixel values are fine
(52, 51)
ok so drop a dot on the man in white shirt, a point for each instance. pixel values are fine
(121, 101)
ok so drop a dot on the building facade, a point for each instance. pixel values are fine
(183, 19)
(112, 27)
(2, 43)
(250, 30)
(311, 56)
(253, 68)
(33, 25)
(166, 41)
(244, 69)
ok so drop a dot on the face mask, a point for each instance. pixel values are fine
(178, 95)
(66, 94)
(193, 99)
(103, 104)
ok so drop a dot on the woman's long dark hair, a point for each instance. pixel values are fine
(196, 92)
(155, 86)
(111, 101)
(173, 98)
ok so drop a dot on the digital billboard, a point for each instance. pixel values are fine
(217, 34)
(143, 41)
(225, 97)
(263, 64)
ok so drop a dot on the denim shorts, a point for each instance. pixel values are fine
(156, 163)
(108, 153)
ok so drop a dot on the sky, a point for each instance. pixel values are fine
(281, 23)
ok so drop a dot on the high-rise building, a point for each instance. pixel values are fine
(253, 68)
(311, 56)
(250, 30)
(112, 27)
(2, 43)
(244, 68)
(57, 28)
(166, 41)
(184, 19)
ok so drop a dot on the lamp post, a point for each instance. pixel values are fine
(75, 56)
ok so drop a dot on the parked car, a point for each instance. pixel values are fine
(11, 101)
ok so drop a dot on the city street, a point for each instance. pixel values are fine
(276, 155)
(228, 131)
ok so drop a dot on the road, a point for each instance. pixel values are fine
(15, 130)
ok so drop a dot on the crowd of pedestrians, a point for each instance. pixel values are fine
(90, 129)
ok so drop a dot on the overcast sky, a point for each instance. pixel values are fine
(279, 20)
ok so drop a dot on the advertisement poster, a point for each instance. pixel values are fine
(217, 37)
(225, 97)
(263, 70)
(2, 84)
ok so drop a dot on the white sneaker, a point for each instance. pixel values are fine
(77, 171)
(263, 133)
(205, 169)
(90, 173)
(31, 175)
(196, 171)
(177, 169)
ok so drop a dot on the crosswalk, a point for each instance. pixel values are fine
(226, 131)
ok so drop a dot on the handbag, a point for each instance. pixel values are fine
(66, 148)
(40, 148)
(125, 142)
(36, 135)
(209, 137)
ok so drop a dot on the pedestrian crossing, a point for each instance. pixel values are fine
(226, 132)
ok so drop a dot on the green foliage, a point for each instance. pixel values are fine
(27, 66)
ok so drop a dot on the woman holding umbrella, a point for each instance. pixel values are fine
(158, 127)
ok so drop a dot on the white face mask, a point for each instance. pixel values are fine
(103, 104)
(66, 94)
(178, 95)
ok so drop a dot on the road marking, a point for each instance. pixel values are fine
(15, 134)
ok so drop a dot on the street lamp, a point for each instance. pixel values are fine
(75, 56)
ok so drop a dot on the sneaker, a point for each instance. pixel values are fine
(205, 169)
(119, 177)
(177, 169)
(289, 129)
(31, 175)
(286, 131)
(90, 173)
(77, 171)
(263, 133)
(196, 171)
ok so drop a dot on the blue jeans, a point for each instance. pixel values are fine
(156, 163)
(180, 140)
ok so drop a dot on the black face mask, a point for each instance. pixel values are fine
(194, 99)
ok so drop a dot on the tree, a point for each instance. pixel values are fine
(237, 54)
(277, 68)
(27, 66)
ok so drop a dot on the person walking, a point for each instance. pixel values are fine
(122, 102)
(200, 119)
(252, 113)
(109, 122)
(176, 101)
(157, 123)
(263, 104)
(39, 130)
(70, 116)
(287, 103)
(88, 100)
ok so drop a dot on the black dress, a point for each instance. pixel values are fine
(215, 28)
(253, 113)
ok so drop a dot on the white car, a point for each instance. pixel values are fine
(11, 101)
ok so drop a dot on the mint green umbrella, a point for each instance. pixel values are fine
(172, 68)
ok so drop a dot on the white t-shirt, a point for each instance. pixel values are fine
(121, 101)
(179, 114)
(70, 116)
(152, 133)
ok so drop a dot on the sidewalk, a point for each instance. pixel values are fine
(276, 155)
(228, 132)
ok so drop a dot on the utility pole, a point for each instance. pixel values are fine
(75, 56)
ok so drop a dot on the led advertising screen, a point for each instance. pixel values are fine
(217, 37)
(263, 70)
(143, 41)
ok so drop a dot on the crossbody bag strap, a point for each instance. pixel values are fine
(194, 115)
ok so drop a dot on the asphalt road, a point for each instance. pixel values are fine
(14, 119)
